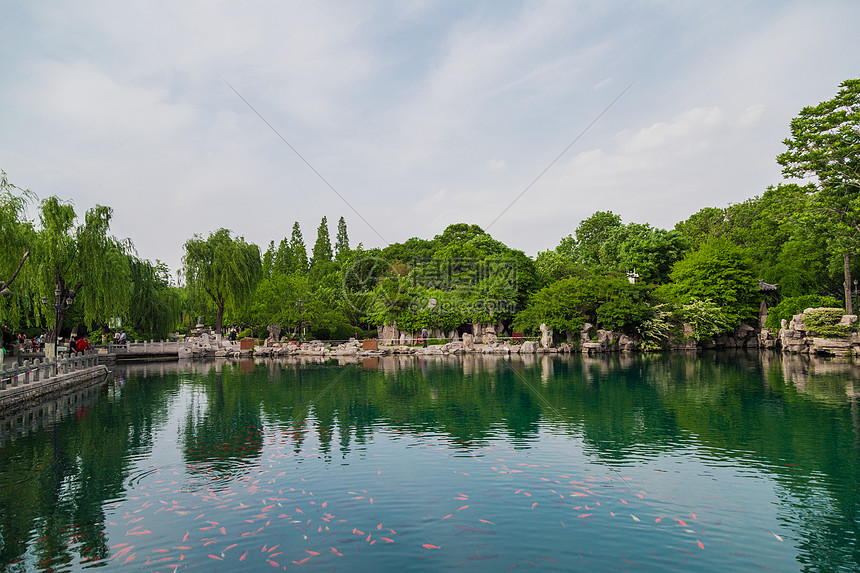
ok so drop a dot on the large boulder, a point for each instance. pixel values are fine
(468, 341)
(528, 347)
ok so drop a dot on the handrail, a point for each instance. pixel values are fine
(37, 370)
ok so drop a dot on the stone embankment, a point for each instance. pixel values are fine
(800, 335)
(25, 383)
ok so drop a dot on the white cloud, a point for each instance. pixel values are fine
(495, 164)
(96, 105)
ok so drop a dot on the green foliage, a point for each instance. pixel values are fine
(224, 268)
(718, 271)
(80, 264)
(707, 319)
(155, 306)
(322, 247)
(590, 235)
(642, 248)
(824, 322)
(654, 331)
(299, 251)
(702, 226)
(609, 301)
(788, 307)
(825, 145)
(17, 236)
(341, 244)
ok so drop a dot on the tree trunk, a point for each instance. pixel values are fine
(849, 304)
(219, 321)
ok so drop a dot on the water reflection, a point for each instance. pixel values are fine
(794, 418)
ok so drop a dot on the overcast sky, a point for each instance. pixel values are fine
(420, 114)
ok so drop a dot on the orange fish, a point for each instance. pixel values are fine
(215, 557)
(701, 545)
(462, 508)
(428, 546)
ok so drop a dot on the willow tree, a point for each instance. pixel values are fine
(79, 263)
(226, 269)
(825, 146)
(16, 241)
(155, 305)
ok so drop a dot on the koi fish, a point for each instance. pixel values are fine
(429, 546)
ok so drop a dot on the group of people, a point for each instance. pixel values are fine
(33, 345)
(81, 344)
(119, 337)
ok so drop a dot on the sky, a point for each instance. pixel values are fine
(404, 117)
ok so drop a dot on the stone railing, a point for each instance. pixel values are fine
(145, 347)
(37, 371)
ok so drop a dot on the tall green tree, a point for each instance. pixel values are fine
(300, 252)
(825, 146)
(80, 262)
(341, 244)
(322, 253)
(226, 269)
(590, 235)
(16, 241)
(721, 272)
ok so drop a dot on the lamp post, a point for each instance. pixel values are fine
(63, 299)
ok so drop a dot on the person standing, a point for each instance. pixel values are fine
(424, 335)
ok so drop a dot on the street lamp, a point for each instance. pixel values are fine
(60, 306)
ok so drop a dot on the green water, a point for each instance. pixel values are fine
(721, 462)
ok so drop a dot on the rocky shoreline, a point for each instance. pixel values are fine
(794, 337)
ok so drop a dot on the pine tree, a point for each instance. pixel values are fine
(268, 259)
(322, 248)
(284, 262)
(341, 245)
(300, 253)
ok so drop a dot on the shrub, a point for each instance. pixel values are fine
(825, 322)
(797, 304)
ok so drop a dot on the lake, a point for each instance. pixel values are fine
(710, 462)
